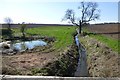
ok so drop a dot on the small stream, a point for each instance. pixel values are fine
(81, 70)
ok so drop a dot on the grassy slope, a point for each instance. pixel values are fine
(63, 34)
(112, 43)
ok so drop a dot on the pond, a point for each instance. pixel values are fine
(28, 44)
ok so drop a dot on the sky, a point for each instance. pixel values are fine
(52, 11)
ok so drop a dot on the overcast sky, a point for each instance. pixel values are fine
(52, 11)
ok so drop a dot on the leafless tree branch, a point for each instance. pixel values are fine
(89, 12)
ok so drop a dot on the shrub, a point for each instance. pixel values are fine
(23, 29)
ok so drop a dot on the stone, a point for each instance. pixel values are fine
(8, 51)
(5, 45)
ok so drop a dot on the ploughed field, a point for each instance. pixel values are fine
(109, 29)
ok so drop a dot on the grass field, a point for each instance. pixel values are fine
(62, 34)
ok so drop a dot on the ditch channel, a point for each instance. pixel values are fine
(81, 70)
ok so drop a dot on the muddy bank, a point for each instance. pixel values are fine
(102, 61)
(65, 65)
(22, 62)
(42, 61)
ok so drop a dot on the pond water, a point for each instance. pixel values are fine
(28, 44)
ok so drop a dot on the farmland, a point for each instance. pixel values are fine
(106, 33)
(62, 55)
(109, 29)
(30, 61)
(102, 45)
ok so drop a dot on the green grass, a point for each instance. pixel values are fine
(63, 34)
(110, 42)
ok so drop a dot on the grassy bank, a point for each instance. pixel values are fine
(110, 42)
(101, 60)
(62, 34)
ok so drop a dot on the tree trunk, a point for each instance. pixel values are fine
(10, 31)
(80, 26)
(23, 35)
(9, 27)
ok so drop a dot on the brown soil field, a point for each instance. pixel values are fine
(109, 29)
(24, 63)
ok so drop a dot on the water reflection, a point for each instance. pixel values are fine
(28, 44)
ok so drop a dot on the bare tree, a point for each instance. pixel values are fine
(8, 20)
(89, 12)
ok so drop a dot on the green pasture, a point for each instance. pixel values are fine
(62, 34)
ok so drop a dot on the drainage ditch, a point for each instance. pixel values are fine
(72, 63)
(81, 70)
